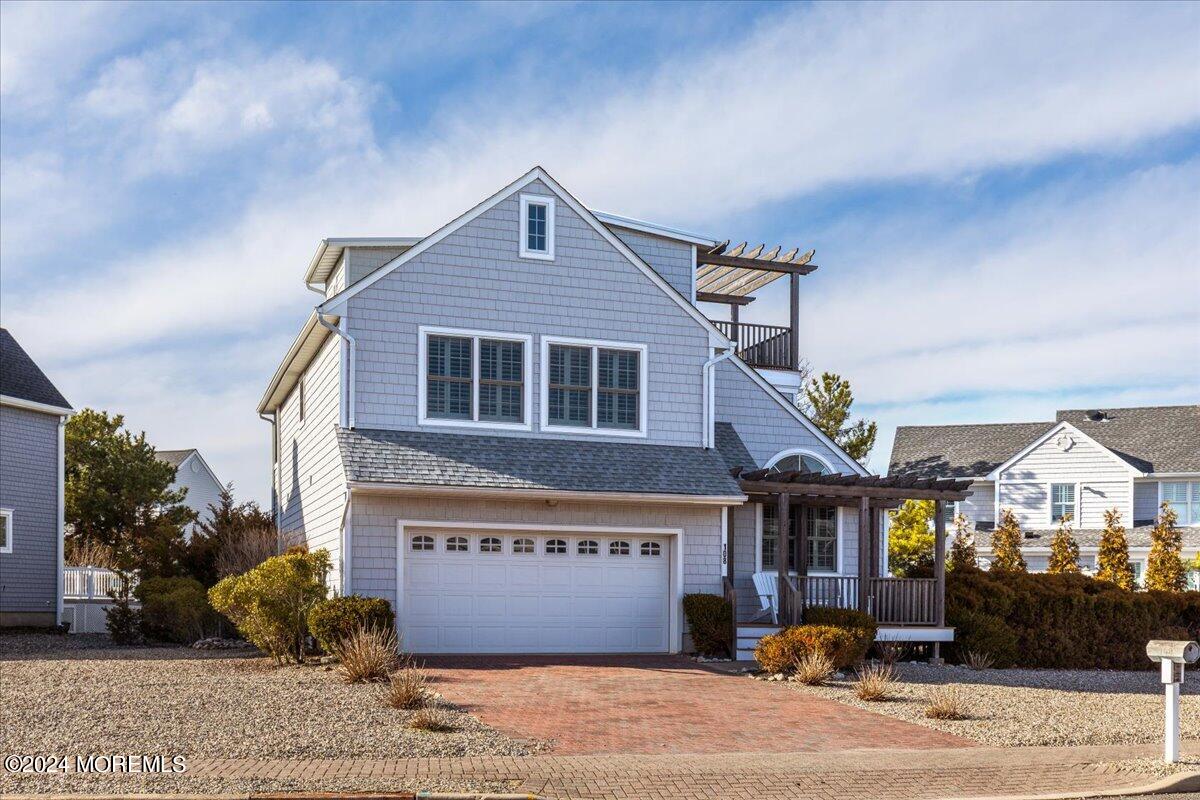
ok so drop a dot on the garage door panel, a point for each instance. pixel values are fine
(589, 599)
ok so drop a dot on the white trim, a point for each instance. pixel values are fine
(1076, 511)
(31, 405)
(692, 279)
(795, 412)
(994, 475)
(7, 514)
(546, 494)
(310, 327)
(674, 591)
(355, 241)
(59, 543)
(596, 344)
(1188, 502)
(537, 173)
(666, 232)
(536, 199)
(423, 334)
(797, 451)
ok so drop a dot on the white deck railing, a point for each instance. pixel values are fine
(88, 583)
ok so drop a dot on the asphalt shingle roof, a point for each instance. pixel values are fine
(732, 448)
(174, 457)
(420, 458)
(959, 451)
(20, 377)
(1152, 439)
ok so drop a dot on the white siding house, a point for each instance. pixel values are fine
(194, 474)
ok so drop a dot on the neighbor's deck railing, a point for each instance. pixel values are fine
(88, 583)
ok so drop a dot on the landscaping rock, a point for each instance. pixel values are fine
(217, 643)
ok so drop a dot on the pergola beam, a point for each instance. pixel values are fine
(727, 299)
(852, 491)
(754, 263)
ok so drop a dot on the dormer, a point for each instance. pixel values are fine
(342, 262)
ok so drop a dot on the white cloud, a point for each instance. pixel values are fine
(814, 97)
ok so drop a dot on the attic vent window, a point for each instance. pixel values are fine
(537, 227)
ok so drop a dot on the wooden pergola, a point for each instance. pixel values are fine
(731, 276)
(893, 601)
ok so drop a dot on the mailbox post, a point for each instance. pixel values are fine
(1172, 656)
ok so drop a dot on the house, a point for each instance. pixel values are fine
(33, 414)
(193, 473)
(1083, 463)
(522, 431)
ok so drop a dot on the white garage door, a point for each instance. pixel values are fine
(513, 592)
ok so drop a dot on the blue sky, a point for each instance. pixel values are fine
(1004, 199)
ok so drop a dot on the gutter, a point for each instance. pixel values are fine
(276, 503)
(710, 397)
(413, 490)
(351, 347)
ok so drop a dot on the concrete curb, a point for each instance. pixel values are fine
(1181, 782)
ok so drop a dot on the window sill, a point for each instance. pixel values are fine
(480, 425)
(536, 256)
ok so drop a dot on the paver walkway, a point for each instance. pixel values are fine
(881, 774)
(660, 704)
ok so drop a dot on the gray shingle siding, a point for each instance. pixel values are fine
(474, 279)
(670, 258)
(29, 476)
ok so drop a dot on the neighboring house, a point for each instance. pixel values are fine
(32, 415)
(522, 431)
(1084, 463)
(193, 473)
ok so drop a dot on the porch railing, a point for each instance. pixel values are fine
(766, 346)
(892, 601)
(88, 583)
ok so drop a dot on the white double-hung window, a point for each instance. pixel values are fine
(1184, 498)
(474, 378)
(1062, 501)
(594, 386)
(537, 227)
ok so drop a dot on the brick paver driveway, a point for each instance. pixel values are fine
(659, 704)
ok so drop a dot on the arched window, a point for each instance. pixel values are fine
(618, 548)
(490, 544)
(556, 547)
(799, 461)
(651, 549)
(522, 545)
(422, 543)
(588, 547)
(456, 544)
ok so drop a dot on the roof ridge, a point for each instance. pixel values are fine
(980, 424)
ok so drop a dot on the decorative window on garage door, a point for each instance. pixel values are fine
(556, 547)
(651, 549)
(618, 548)
(422, 543)
(490, 544)
(521, 546)
(456, 544)
(588, 547)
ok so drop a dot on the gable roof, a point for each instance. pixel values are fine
(174, 457)
(1055, 429)
(335, 304)
(1152, 438)
(21, 379)
(1158, 439)
(438, 460)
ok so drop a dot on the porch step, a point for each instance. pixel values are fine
(747, 639)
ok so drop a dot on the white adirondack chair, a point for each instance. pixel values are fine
(767, 586)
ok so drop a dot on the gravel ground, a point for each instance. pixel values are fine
(82, 695)
(1022, 707)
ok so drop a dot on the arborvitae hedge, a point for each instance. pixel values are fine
(1063, 621)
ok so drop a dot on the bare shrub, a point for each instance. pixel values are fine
(80, 553)
(368, 655)
(977, 660)
(946, 702)
(875, 682)
(244, 550)
(813, 669)
(891, 652)
(433, 718)
(407, 689)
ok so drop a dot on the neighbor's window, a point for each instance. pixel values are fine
(6, 530)
(1139, 569)
(537, 227)
(594, 387)
(475, 378)
(1184, 498)
(1062, 501)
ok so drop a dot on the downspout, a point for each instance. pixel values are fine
(710, 395)
(276, 502)
(349, 367)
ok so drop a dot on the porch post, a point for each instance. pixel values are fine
(864, 556)
(783, 522)
(802, 555)
(939, 563)
(733, 321)
(876, 561)
(795, 302)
